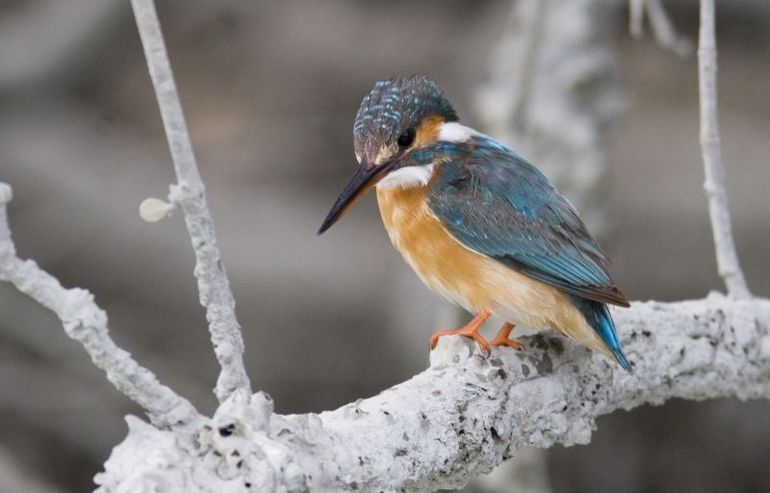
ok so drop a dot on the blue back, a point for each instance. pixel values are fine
(496, 203)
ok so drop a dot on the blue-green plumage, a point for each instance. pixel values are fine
(598, 316)
(496, 203)
(507, 239)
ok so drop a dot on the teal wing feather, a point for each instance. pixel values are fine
(496, 203)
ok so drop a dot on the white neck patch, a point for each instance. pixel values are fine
(407, 177)
(419, 176)
(455, 132)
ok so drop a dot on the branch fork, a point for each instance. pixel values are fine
(189, 193)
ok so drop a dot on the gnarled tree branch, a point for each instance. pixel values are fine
(466, 413)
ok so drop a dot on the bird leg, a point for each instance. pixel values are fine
(470, 330)
(503, 338)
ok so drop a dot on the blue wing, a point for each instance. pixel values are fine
(496, 203)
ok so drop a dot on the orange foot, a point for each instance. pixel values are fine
(470, 330)
(503, 338)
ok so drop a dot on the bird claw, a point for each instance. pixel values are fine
(470, 330)
(511, 343)
(503, 338)
(465, 332)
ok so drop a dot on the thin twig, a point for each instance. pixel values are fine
(86, 323)
(662, 28)
(636, 18)
(536, 23)
(189, 193)
(727, 258)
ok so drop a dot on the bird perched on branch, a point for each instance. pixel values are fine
(478, 223)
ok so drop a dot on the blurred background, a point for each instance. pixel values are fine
(270, 90)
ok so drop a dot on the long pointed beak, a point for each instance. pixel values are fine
(365, 177)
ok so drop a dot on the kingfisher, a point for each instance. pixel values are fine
(478, 223)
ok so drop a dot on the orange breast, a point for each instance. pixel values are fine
(470, 279)
(440, 261)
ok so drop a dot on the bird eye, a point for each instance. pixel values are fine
(406, 138)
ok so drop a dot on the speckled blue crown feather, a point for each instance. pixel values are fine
(394, 105)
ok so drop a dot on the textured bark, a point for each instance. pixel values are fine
(213, 285)
(711, 149)
(464, 414)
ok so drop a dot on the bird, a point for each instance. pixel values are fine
(478, 223)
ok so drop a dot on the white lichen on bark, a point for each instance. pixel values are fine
(86, 323)
(213, 284)
(727, 258)
(466, 413)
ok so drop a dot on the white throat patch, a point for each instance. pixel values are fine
(408, 177)
(419, 176)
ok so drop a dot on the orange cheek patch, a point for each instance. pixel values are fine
(427, 132)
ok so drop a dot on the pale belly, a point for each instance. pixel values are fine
(470, 279)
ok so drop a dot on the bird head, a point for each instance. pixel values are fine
(397, 119)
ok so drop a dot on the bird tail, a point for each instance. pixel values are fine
(598, 316)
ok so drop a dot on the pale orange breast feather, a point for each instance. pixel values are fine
(442, 264)
(470, 279)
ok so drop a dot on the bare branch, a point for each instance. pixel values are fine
(86, 323)
(719, 211)
(662, 28)
(533, 16)
(189, 193)
(636, 18)
(466, 413)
